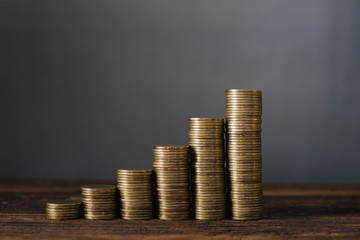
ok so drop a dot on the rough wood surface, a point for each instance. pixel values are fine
(291, 211)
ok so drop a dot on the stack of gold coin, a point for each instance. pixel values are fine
(136, 194)
(99, 201)
(172, 181)
(243, 119)
(206, 140)
(63, 209)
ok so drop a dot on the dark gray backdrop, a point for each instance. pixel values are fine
(90, 86)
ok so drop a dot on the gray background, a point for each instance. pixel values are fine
(90, 86)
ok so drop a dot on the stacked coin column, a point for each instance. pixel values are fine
(243, 120)
(99, 201)
(206, 140)
(63, 209)
(136, 194)
(172, 181)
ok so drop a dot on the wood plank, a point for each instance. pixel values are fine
(291, 211)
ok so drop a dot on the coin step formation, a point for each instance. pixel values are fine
(99, 201)
(136, 194)
(172, 181)
(206, 141)
(168, 188)
(243, 120)
(64, 209)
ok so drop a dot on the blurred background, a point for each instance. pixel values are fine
(90, 86)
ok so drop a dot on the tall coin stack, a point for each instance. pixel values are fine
(206, 140)
(99, 201)
(243, 119)
(172, 181)
(136, 194)
(63, 209)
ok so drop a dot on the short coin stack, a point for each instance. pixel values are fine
(172, 181)
(136, 194)
(99, 201)
(63, 209)
(206, 139)
(243, 119)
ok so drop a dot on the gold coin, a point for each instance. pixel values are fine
(232, 107)
(247, 134)
(198, 134)
(195, 119)
(243, 102)
(98, 188)
(63, 203)
(170, 165)
(236, 115)
(237, 111)
(171, 148)
(241, 91)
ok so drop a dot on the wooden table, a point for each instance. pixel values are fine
(291, 211)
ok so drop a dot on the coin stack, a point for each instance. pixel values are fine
(172, 181)
(136, 194)
(99, 201)
(63, 209)
(206, 140)
(243, 119)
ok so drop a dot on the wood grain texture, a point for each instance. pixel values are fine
(291, 212)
